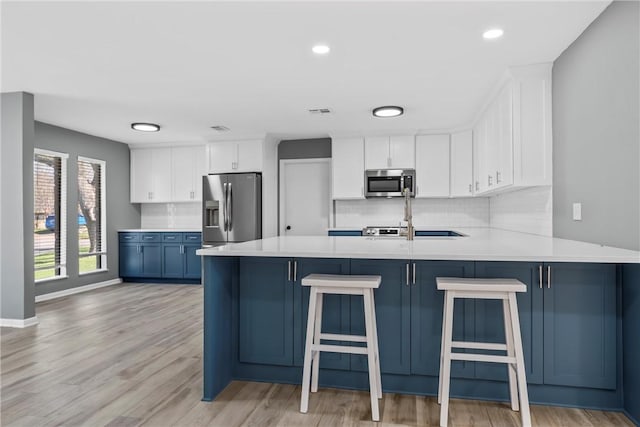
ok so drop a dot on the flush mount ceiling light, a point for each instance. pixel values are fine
(145, 127)
(320, 49)
(388, 111)
(493, 33)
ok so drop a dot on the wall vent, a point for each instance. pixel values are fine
(220, 128)
(320, 111)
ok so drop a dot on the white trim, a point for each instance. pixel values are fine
(51, 279)
(50, 153)
(281, 192)
(19, 323)
(103, 210)
(79, 289)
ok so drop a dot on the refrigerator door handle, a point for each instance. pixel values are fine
(229, 203)
(224, 205)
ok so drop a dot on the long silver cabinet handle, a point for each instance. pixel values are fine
(224, 217)
(407, 274)
(288, 271)
(548, 277)
(413, 279)
(230, 215)
(295, 270)
(540, 275)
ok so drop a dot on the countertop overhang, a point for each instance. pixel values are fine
(480, 244)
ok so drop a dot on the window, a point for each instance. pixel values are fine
(49, 202)
(91, 225)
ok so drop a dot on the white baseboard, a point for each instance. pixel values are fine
(19, 323)
(77, 290)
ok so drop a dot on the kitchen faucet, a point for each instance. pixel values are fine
(408, 216)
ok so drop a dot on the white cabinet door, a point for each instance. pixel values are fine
(402, 152)
(479, 153)
(461, 164)
(347, 165)
(182, 159)
(200, 169)
(161, 175)
(188, 166)
(223, 156)
(432, 165)
(376, 152)
(141, 176)
(249, 157)
(504, 147)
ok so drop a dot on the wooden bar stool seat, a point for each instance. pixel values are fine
(500, 289)
(321, 284)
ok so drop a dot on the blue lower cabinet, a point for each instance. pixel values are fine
(130, 260)
(151, 260)
(489, 319)
(168, 256)
(173, 261)
(392, 314)
(192, 262)
(265, 311)
(335, 311)
(338, 233)
(427, 304)
(580, 325)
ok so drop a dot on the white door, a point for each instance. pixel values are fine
(347, 157)
(304, 197)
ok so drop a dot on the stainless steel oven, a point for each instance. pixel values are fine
(389, 182)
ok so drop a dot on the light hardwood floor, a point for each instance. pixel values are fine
(130, 355)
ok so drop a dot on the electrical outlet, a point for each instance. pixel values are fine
(577, 211)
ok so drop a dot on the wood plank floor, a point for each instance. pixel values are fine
(130, 355)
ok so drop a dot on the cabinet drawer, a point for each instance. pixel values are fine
(129, 237)
(192, 238)
(172, 237)
(150, 237)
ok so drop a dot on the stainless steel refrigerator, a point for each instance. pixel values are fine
(232, 208)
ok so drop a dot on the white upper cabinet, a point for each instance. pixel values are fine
(151, 175)
(461, 164)
(347, 168)
(512, 139)
(432, 165)
(235, 156)
(188, 166)
(390, 152)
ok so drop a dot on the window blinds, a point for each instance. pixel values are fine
(91, 247)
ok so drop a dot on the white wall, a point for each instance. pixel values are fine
(528, 211)
(466, 212)
(171, 215)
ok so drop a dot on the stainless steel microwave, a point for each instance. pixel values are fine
(389, 182)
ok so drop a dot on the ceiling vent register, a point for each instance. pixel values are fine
(320, 111)
(220, 128)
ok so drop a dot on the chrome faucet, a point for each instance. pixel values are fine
(408, 216)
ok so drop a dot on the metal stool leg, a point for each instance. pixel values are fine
(444, 315)
(306, 371)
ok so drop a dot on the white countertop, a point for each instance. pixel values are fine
(481, 244)
(160, 230)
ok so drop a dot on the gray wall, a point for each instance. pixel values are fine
(596, 136)
(119, 212)
(304, 149)
(16, 207)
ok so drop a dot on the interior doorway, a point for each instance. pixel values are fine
(305, 199)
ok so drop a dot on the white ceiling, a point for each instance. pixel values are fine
(97, 67)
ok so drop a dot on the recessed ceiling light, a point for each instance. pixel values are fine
(493, 33)
(145, 127)
(388, 111)
(320, 49)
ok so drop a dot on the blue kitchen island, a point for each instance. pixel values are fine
(580, 318)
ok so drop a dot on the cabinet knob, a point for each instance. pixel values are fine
(288, 227)
(470, 188)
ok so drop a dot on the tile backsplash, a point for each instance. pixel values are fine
(529, 211)
(171, 215)
(466, 212)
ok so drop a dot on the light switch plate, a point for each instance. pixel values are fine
(577, 211)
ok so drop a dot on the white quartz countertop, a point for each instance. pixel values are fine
(160, 230)
(480, 244)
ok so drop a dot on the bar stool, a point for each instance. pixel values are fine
(342, 285)
(500, 289)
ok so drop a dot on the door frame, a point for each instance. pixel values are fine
(281, 190)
